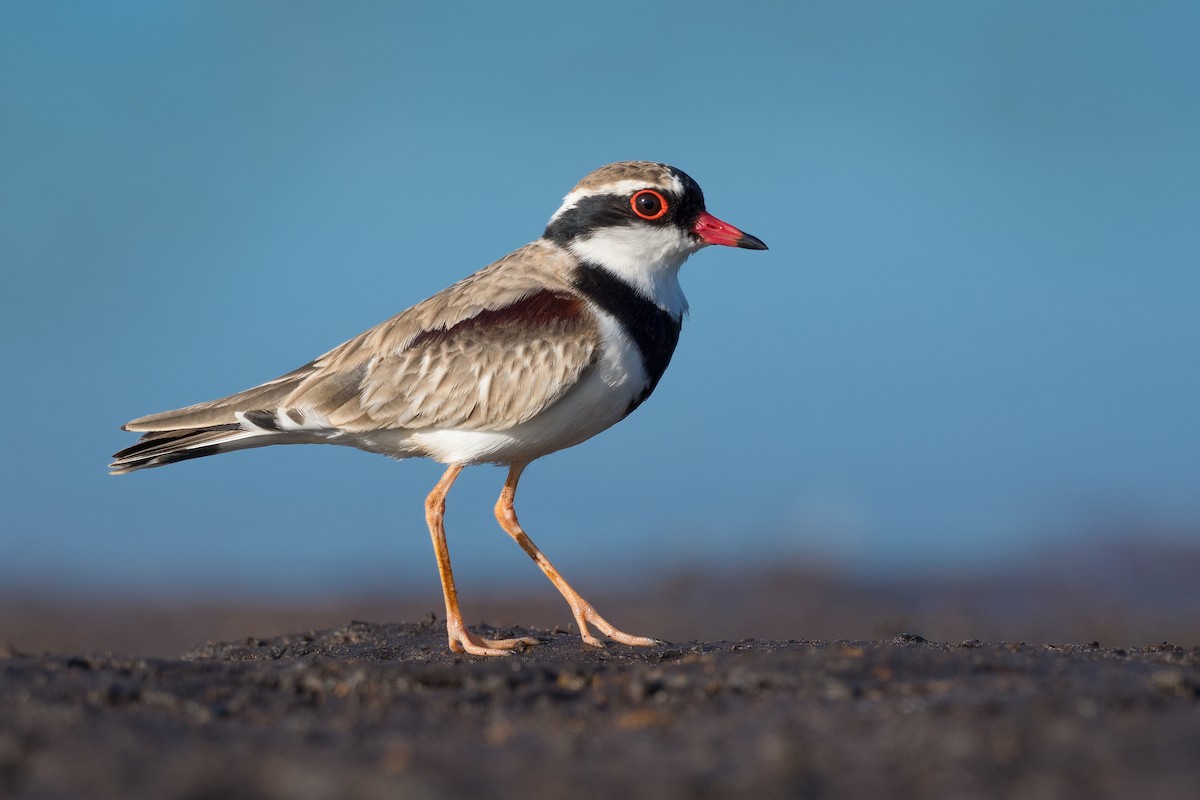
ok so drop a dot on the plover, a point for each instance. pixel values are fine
(536, 352)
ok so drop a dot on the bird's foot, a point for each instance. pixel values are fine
(463, 641)
(585, 613)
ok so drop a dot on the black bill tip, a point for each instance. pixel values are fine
(749, 242)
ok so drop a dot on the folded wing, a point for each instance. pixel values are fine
(486, 354)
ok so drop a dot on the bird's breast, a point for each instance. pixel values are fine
(651, 330)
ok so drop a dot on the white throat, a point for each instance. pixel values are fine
(647, 258)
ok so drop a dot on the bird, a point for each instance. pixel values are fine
(536, 352)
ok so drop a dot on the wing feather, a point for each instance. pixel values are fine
(489, 352)
(491, 371)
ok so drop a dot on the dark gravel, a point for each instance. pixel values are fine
(373, 710)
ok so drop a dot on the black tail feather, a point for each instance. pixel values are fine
(159, 448)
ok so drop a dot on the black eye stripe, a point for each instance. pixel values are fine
(615, 210)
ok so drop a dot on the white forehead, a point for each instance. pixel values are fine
(626, 186)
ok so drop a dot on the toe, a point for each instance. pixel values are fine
(511, 644)
(635, 641)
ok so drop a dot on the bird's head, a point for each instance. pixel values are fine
(640, 220)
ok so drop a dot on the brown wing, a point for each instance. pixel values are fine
(488, 353)
(488, 372)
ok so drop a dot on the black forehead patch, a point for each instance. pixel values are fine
(691, 189)
(692, 202)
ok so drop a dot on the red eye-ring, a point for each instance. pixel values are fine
(648, 204)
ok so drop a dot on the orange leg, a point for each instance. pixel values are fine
(583, 611)
(461, 640)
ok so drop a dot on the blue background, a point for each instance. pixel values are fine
(975, 332)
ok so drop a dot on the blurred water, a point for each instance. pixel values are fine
(975, 327)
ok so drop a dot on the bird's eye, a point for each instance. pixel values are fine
(648, 204)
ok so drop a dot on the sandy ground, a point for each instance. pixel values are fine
(1053, 683)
